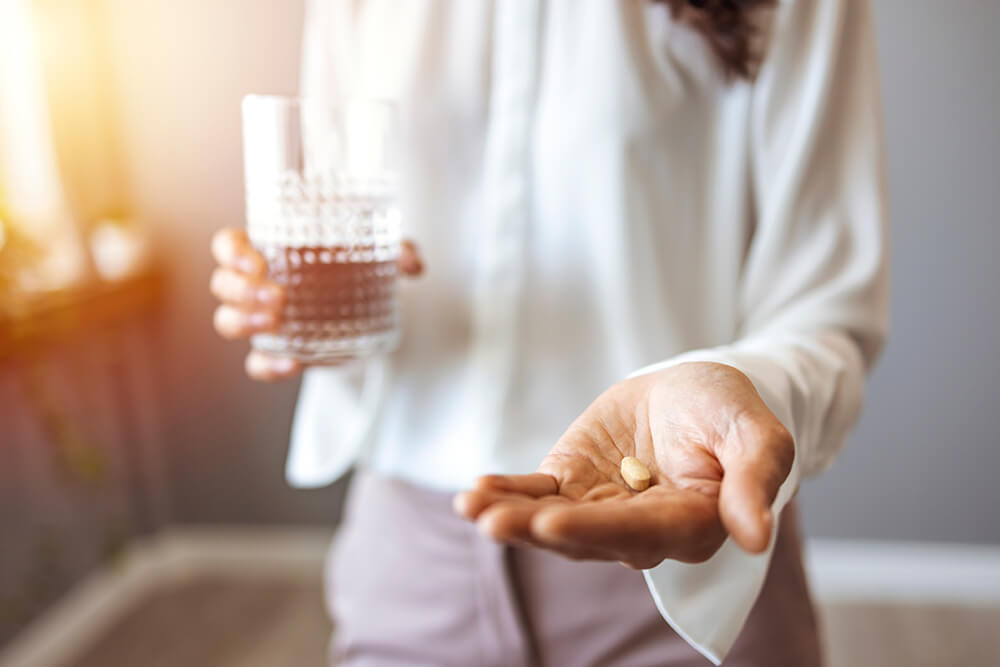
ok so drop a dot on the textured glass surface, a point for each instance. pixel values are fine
(321, 207)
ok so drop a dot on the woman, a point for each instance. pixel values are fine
(670, 211)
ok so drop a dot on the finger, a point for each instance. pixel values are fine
(509, 521)
(409, 262)
(231, 248)
(679, 526)
(238, 289)
(546, 534)
(610, 528)
(234, 323)
(749, 486)
(535, 485)
(268, 368)
(470, 504)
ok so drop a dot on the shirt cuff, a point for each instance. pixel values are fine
(708, 603)
(334, 419)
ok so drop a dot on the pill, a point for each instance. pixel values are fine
(635, 473)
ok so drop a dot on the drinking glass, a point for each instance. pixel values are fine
(321, 198)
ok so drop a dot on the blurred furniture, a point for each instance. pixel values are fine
(80, 473)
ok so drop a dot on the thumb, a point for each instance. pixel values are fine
(750, 483)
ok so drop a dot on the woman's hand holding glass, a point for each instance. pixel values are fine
(252, 304)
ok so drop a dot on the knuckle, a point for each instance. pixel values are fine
(241, 289)
(251, 262)
(781, 435)
(269, 294)
(770, 441)
(782, 446)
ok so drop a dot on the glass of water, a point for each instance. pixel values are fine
(321, 194)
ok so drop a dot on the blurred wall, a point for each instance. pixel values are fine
(183, 68)
(81, 473)
(924, 461)
(921, 466)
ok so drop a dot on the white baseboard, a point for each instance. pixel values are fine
(840, 571)
(904, 572)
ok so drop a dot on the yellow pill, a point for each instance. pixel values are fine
(636, 474)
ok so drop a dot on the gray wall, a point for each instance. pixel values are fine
(923, 464)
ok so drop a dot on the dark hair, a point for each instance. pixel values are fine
(728, 27)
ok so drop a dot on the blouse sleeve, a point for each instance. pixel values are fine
(327, 50)
(337, 406)
(813, 300)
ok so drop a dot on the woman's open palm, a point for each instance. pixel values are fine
(716, 454)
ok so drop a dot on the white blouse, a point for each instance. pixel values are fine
(594, 199)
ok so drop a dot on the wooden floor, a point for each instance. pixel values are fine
(880, 635)
(220, 622)
(273, 622)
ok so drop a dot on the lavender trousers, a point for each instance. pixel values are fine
(409, 583)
